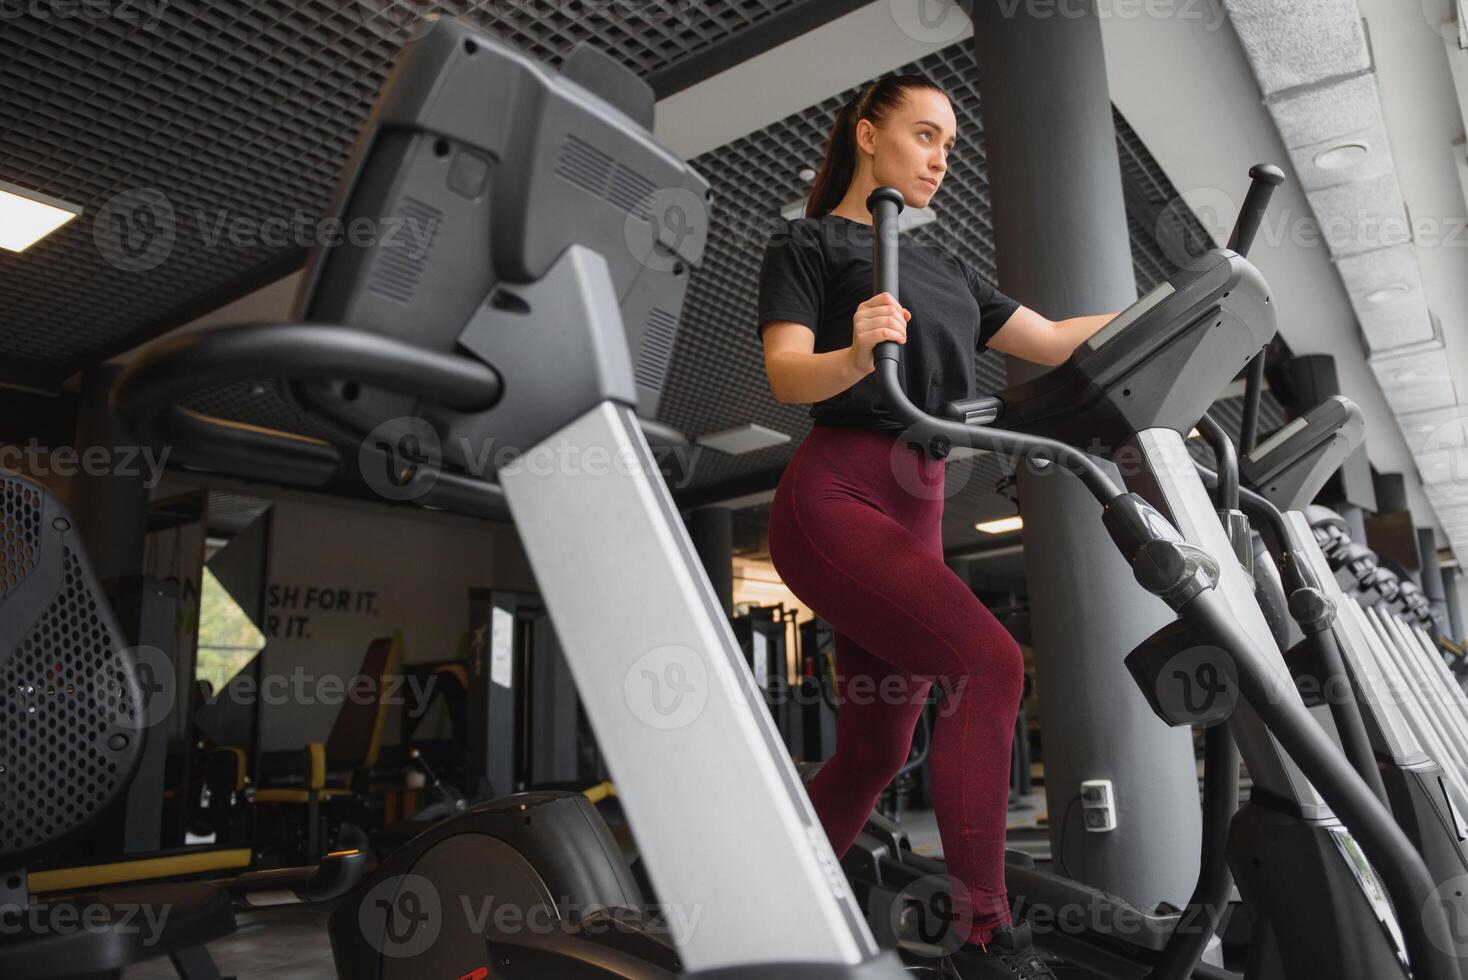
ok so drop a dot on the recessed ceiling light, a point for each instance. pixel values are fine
(1342, 155)
(1001, 526)
(1388, 293)
(807, 174)
(1411, 375)
(26, 216)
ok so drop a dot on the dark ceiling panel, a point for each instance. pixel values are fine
(183, 130)
(230, 512)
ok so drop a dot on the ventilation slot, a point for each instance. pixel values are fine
(585, 166)
(631, 192)
(601, 176)
(657, 349)
(402, 255)
(20, 533)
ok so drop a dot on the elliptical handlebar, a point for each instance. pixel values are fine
(933, 434)
(1265, 178)
(147, 393)
(1228, 461)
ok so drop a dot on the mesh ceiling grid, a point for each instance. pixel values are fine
(230, 512)
(228, 111)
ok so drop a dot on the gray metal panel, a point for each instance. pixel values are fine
(1398, 690)
(695, 754)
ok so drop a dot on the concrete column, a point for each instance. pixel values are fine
(1453, 607)
(1391, 492)
(1063, 249)
(110, 503)
(1431, 575)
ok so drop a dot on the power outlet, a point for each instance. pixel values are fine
(1098, 805)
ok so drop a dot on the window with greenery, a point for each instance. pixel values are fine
(228, 640)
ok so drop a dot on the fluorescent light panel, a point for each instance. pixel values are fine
(26, 216)
(1001, 526)
(743, 439)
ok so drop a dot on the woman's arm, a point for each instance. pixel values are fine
(1031, 337)
(798, 375)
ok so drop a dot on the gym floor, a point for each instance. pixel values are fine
(291, 944)
(284, 944)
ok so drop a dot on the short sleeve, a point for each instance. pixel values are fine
(791, 278)
(995, 308)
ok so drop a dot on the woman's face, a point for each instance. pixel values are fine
(911, 149)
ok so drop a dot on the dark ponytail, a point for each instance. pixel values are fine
(838, 164)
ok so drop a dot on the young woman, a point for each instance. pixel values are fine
(855, 529)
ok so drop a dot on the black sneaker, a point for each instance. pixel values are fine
(1009, 955)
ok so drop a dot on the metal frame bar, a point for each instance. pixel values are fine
(698, 763)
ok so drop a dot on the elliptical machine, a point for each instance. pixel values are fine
(1399, 750)
(1315, 903)
(535, 311)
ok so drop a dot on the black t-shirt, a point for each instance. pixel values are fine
(817, 271)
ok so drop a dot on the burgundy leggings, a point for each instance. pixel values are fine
(855, 532)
